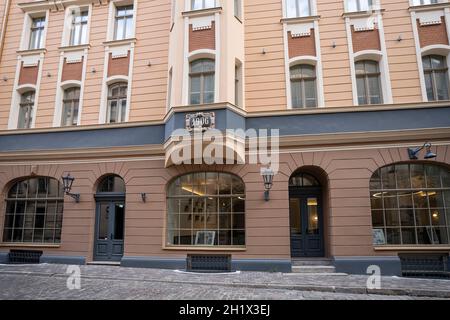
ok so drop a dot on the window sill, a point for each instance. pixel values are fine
(429, 7)
(215, 249)
(202, 12)
(31, 52)
(29, 245)
(120, 42)
(361, 14)
(75, 48)
(412, 248)
(300, 19)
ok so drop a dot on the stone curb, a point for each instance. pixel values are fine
(333, 289)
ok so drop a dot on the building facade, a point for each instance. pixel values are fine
(100, 89)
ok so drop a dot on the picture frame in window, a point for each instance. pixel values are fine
(205, 238)
(378, 237)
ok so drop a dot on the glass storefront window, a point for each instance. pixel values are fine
(206, 209)
(410, 205)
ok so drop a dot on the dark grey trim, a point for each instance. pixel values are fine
(264, 265)
(390, 266)
(153, 263)
(74, 260)
(4, 257)
(300, 124)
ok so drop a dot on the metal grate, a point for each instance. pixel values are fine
(425, 265)
(209, 263)
(24, 256)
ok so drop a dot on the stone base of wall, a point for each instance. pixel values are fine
(63, 260)
(4, 257)
(389, 266)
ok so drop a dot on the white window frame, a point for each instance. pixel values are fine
(112, 14)
(312, 8)
(189, 5)
(65, 41)
(371, 5)
(26, 29)
(417, 3)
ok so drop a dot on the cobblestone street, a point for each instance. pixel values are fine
(100, 282)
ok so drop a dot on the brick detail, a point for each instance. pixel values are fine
(72, 71)
(432, 34)
(28, 75)
(118, 66)
(302, 46)
(202, 39)
(365, 40)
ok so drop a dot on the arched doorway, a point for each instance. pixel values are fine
(306, 216)
(110, 219)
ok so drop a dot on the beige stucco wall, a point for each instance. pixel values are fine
(346, 173)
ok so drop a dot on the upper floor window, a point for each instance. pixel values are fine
(34, 211)
(201, 79)
(298, 8)
(238, 84)
(26, 110)
(424, 2)
(303, 86)
(124, 22)
(117, 102)
(368, 80)
(202, 4)
(78, 31)
(359, 5)
(37, 33)
(238, 9)
(71, 102)
(436, 77)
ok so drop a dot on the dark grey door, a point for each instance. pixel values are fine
(306, 223)
(109, 231)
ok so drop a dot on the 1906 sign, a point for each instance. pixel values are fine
(200, 121)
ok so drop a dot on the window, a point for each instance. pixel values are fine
(238, 85)
(424, 2)
(206, 209)
(37, 33)
(124, 24)
(436, 77)
(78, 30)
(411, 204)
(359, 5)
(202, 4)
(111, 184)
(117, 102)
(298, 8)
(70, 106)
(368, 82)
(238, 9)
(303, 86)
(34, 211)
(201, 79)
(26, 110)
(169, 91)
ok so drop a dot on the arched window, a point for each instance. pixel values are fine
(201, 81)
(111, 184)
(411, 204)
(206, 209)
(117, 102)
(436, 77)
(368, 81)
(34, 211)
(71, 102)
(303, 86)
(303, 180)
(26, 110)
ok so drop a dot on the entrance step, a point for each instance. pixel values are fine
(104, 263)
(313, 269)
(312, 262)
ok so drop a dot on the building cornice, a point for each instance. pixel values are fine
(55, 5)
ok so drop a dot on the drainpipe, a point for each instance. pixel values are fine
(3, 27)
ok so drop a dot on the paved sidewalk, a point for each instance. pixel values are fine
(102, 282)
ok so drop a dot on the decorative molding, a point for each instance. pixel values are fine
(114, 43)
(74, 48)
(203, 12)
(430, 7)
(300, 19)
(430, 18)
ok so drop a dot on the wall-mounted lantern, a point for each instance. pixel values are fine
(267, 175)
(67, 183)
(413, 152)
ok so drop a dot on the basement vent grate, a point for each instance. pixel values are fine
(24, 256)
(209, 263)
(425, 266)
